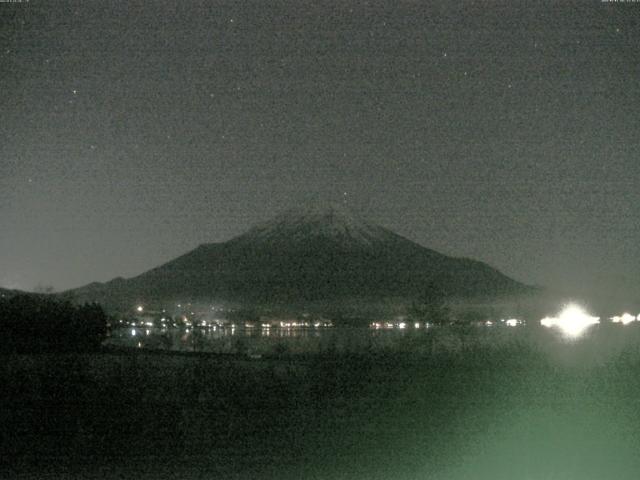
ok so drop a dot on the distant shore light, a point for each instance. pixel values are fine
(573, 321)
(624, 319)
(139, 308)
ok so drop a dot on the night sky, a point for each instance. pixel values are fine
(131, 132)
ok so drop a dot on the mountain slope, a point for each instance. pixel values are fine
(306, 254)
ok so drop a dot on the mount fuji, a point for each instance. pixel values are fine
(306, 254)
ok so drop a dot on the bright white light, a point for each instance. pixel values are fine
(512, 322)
(573, 321)
(139, 308)
(416, 325)
(548, 322)
(133, 332)
(402, 325)
(624, 319)
(488, 323)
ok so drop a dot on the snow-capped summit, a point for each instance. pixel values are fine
(329, 221)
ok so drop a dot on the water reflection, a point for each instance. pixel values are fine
(235, 338)
(292, 336)
(219, 332)
(300, 336)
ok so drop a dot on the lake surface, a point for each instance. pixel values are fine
(258, 340)
(597, 341)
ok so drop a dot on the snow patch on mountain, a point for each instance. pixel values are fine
(332, 221)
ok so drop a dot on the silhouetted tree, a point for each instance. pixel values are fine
(34, 323)
(44, 289)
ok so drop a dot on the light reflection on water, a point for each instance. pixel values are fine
(596, 343)
(235, 339)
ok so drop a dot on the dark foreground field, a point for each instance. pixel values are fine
(522, 409)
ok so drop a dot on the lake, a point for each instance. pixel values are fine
(600, 340)
(258, 340)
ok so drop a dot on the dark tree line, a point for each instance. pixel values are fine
(35, 323)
